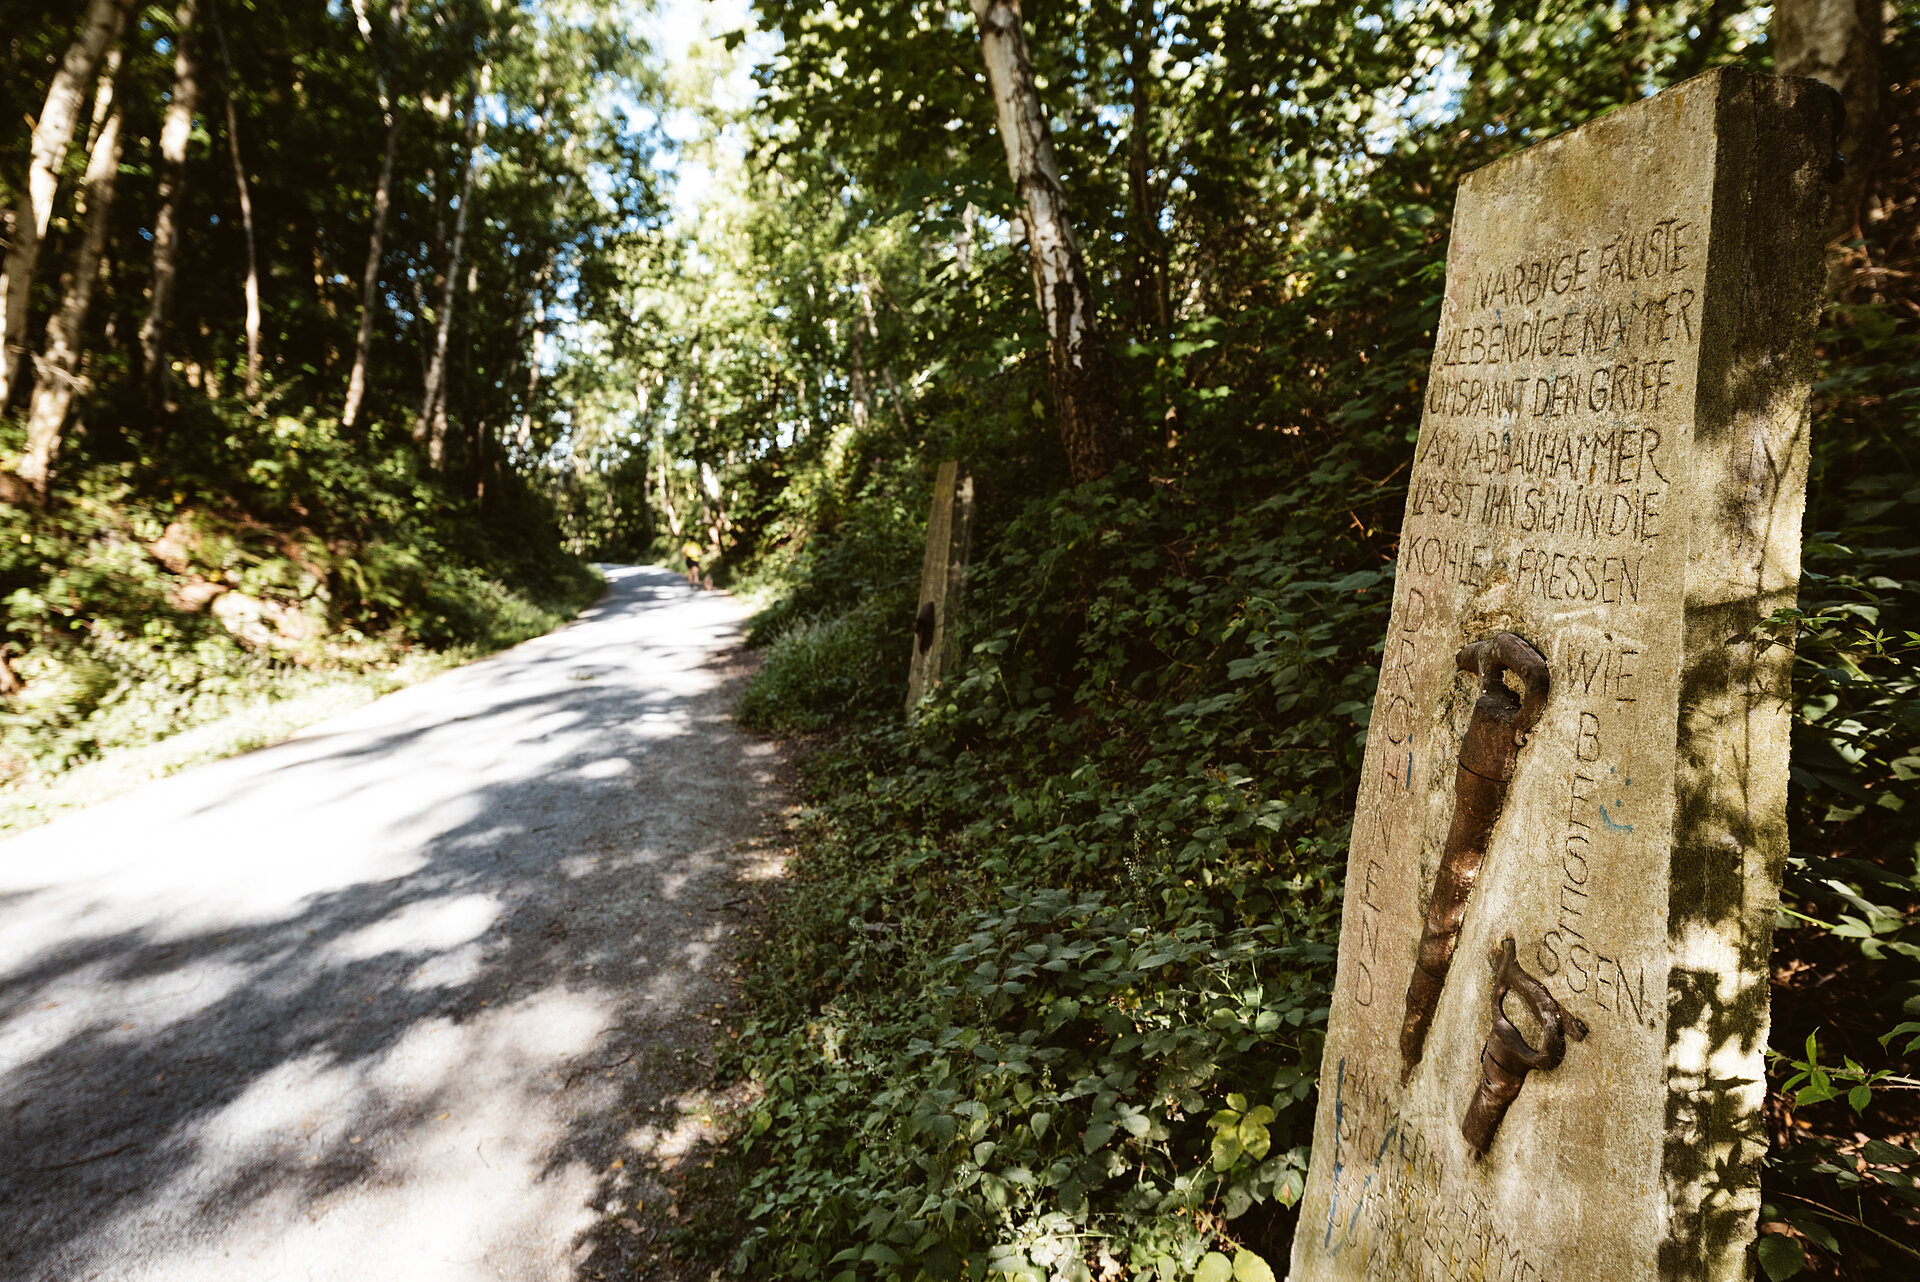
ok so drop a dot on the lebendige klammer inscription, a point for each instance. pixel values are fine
(1544, 1056)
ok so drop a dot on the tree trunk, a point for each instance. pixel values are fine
(430, 428)
(1077, 360)
(963, 248)
(857, 381)
(174, 134)
(886, 370)
(382, 199)
(1150, 270)
(246, 215)
(533, 358)
(370, 281)
(52, 135)
(1837, 42)
(55, 381)
(666, 491)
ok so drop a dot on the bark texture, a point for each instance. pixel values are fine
(246, 215)
(1837, 42)
(382, 200)
(55, 373)
(1150, 268)
(857, 381)
(666, 489)
(1078, 364)
(430, 428)
(52, 136)
(541, 283)
(174, 134)
(867, 288)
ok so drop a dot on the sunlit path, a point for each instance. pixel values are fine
(366, 1004)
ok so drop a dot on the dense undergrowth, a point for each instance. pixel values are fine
(1047, 994)
(275, 559)
(1063, 948)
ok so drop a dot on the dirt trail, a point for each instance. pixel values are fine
(423, 993)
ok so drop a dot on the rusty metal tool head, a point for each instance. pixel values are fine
(1499, 727)
(1507, 1057)
(1502, 720)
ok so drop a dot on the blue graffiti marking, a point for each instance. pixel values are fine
(1620, 806)
(1339, 1115)
(1360, 1198)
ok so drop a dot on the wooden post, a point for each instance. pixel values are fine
(942, 578)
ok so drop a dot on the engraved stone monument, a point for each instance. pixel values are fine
(1544, 1055)
(942, 579)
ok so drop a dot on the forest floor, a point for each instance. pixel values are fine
(429, 991)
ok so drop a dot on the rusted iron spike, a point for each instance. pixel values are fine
(1506, 1059)
(1498, 730)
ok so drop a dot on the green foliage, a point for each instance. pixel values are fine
(1043, 1006)
(133, 615)
(200, 550)
(822, 669)
(1045, 998)
(1849, 928)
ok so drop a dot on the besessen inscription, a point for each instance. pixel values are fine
(1569, 955)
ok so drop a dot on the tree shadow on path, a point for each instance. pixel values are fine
(389, 1000)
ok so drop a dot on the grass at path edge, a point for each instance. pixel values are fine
(264, 717)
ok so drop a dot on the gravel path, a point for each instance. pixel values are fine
(420, 994)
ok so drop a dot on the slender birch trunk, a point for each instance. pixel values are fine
(52, 136)
(174, 134)
(963, 248)
(1077, 359)
(382, 200)
(55, 381)
(246, 213)
(422, 280)
(857, 381)
(886, 370)
(430, 428)
(533, 359)
(666, 493)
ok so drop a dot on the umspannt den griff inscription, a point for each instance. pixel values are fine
(1542, 1056)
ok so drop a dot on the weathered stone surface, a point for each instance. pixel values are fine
(942, 580)
(1611, 469)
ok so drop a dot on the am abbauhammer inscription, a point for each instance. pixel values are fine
(1544, 1051)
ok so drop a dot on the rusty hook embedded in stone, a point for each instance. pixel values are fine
(1498, 730)
(1506, 1059)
